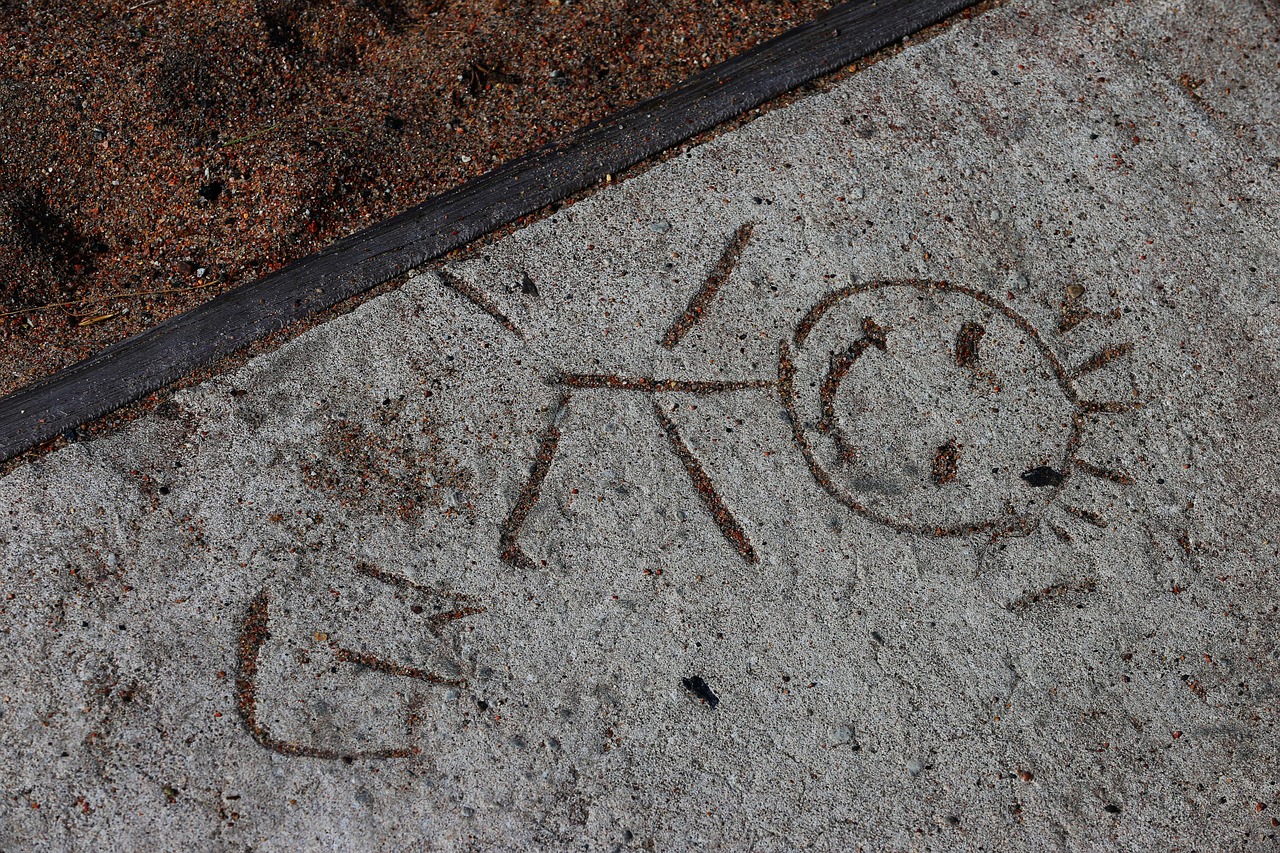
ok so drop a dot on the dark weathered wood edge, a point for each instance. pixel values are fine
(152, 359)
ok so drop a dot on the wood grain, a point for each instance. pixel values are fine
(150, 360)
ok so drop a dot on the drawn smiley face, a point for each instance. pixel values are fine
(932, 408)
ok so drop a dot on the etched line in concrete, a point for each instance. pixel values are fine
(786, 390)
(946, 463)
(1102, 358)
(715, 280)
(1103, 473)
(967, 341)
(254, 633)
(650, 385)
(390, 667)
(509, 541)
(393, 579)
(437, 621)
(1054, 592)
(873, 335)
(1087, 515)
(480, 299)
(729, 526)
(835, 297)
(1109, 407)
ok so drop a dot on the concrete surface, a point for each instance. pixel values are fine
(860, 560)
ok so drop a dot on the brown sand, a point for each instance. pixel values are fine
(177, 148)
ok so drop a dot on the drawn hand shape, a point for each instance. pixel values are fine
(305, 688)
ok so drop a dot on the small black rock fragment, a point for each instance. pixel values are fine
(210, 191)
(1043, 476)
(1111, 807)
(695, 685)
(527, 286)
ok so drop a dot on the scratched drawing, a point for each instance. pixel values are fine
(326, 648)
(992, 453)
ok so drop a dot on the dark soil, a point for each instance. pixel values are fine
(177, 148)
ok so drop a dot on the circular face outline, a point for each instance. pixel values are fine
(998, 526)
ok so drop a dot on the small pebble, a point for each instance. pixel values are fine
(661, 226)
(210, 191)
(700, 689)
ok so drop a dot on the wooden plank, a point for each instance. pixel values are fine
(152, 359)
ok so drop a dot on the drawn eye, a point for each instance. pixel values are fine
(937, 409)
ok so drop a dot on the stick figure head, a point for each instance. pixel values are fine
(931, 407)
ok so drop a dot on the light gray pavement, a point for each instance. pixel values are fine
(237, 625)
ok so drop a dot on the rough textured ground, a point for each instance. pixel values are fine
(856, 560)
(179, 148)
